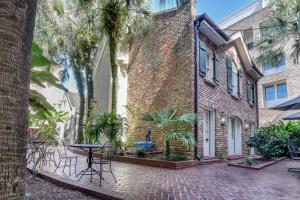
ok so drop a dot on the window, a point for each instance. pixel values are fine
(269, 68)
(233, 78)
(268, 29)
(269, 93)
(248, 38)
(250, 92)
(275, 94)
(281, 91)
(209, 63)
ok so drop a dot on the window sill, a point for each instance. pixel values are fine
(275, 70)
(236, 97)
(251, 104)
(209, 82)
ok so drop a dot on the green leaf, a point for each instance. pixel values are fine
(37, 57)
(38, 102)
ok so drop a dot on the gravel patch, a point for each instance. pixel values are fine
(43, 190)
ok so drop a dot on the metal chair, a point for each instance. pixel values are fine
(47, 153)
(63, 156)
(294, 154)
(106, 155)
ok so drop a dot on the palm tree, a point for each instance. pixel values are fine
(172, 127)
(116, 16)
(16, 27)
(282, 27)
(40, 76)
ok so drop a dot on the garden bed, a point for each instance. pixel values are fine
(146, 161)
(257, 164)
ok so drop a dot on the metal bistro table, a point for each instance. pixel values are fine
(91, 149)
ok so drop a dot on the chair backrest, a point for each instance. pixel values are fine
(292, 148)
(107, 151)
(61, 149)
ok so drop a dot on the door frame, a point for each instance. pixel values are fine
(212, 133)
(235, 147)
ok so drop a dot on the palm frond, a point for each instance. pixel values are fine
(39, 103)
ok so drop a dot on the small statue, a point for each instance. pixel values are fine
(148, 139)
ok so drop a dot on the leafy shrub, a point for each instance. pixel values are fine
(249, 161)
(270, 140)
(140, 153)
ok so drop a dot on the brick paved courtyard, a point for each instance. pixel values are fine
(215, 181)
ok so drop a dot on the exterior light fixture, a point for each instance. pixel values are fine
(223, 119)
(247, 125)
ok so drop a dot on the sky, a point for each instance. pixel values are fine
(216, 9)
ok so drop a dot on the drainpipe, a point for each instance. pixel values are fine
(256, 104)
(196, 43)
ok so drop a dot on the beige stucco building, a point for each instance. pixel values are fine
(281, 82)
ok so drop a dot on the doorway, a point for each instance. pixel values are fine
(209, 133)
(235, 136)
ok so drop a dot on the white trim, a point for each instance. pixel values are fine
(206, 29)
(243, 13)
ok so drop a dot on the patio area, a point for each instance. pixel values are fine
(214, 181)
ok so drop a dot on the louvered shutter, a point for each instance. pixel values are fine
(249, 90)
(216, 68)
(239, 87)
(202, 59)
(254, 93)
(229, 74)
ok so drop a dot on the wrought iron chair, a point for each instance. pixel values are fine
(106, 155)
(294, 154)
(47, 153)
(64, 158)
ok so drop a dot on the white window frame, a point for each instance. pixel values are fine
(276, 100)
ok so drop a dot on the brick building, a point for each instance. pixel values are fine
(187, 62)
(281, 82)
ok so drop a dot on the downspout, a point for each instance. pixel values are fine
(256, 104)
(196, 43)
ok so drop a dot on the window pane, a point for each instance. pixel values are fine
(281, 91)
(269, 93)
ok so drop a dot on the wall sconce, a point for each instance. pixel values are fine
(247, 125)
(223, 119)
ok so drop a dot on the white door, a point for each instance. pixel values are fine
(252, 130)
(235, 137)
(209, 134)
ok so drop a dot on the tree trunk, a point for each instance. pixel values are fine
(90, 88)
(16, 32)
(80, 88)
(114, 72)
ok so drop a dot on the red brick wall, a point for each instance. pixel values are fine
(161, 66)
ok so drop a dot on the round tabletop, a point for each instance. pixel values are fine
(89, 145)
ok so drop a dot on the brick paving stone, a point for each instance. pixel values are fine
(215, 181)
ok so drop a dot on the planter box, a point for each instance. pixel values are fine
(144, 161)
(258, 166)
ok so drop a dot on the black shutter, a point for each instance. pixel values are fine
(239, 87)
(216, 68)
(249, 90)
(253, 93)
(202, 59)
(229, 74)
